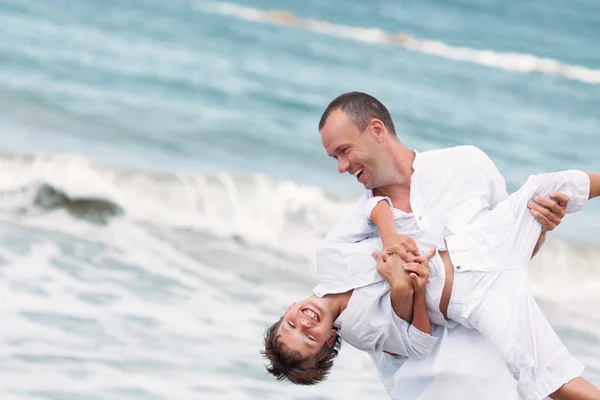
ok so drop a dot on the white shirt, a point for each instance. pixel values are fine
(450, 188)
(370, 324)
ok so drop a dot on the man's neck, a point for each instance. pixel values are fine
(399, 189)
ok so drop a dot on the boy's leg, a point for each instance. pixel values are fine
(526, 229)
(506, 236)
(577, 389)
(501, 306)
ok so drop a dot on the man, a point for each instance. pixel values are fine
(390, 172)
(358, 132)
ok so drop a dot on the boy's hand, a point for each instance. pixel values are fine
(402, 245)
(418, 271)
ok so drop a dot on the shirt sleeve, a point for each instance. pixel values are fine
(496, 181)
(575, 184)
(416, 344)
(580, 183)
(370, 205)
(378, 329)
(354, 227)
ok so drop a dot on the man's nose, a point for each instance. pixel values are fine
(343, 165)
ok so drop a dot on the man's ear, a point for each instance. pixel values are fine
(332, 337)
(378, 129)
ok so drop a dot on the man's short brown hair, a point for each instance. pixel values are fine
(287, 363)
(360, 108)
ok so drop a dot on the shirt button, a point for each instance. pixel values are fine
(458, 267)
(420, 218)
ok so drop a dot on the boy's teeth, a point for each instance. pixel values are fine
(358, 172)
(310, 314)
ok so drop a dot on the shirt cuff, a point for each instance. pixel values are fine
(371, 203)
(421, 342)
(581, 190)
(424, 340)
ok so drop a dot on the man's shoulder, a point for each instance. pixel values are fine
(451, 157)
(450, 152)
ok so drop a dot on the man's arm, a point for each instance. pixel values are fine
(594, 184)
(549, 212)
(401, 289)
(397, 336)
(393, 243)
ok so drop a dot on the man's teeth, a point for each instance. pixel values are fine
(310, 314)
(358, 172)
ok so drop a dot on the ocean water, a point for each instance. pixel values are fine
(163, 187)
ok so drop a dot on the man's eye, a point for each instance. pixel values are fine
(311, 338)
(290, 324)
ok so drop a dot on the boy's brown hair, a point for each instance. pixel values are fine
(287, 363)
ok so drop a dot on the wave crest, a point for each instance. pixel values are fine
(516, 62)
(254, 208)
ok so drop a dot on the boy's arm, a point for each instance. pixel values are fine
(383, 218)
(419, 275)
(420, 317)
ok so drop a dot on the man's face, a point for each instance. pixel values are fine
(307, 326)
(358, 153)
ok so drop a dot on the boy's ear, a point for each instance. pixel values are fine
(331, 340)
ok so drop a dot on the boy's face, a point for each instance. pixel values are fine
(307, 326)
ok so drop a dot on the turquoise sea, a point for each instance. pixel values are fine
(163, 186)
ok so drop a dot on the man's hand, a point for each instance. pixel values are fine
(391, 270)
(402, 245)
(419, 271)
(401, 290)
(549, 211)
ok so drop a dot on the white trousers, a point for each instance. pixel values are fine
(491, 292)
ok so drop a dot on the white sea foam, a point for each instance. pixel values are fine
(114, 312)
(254, 208)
